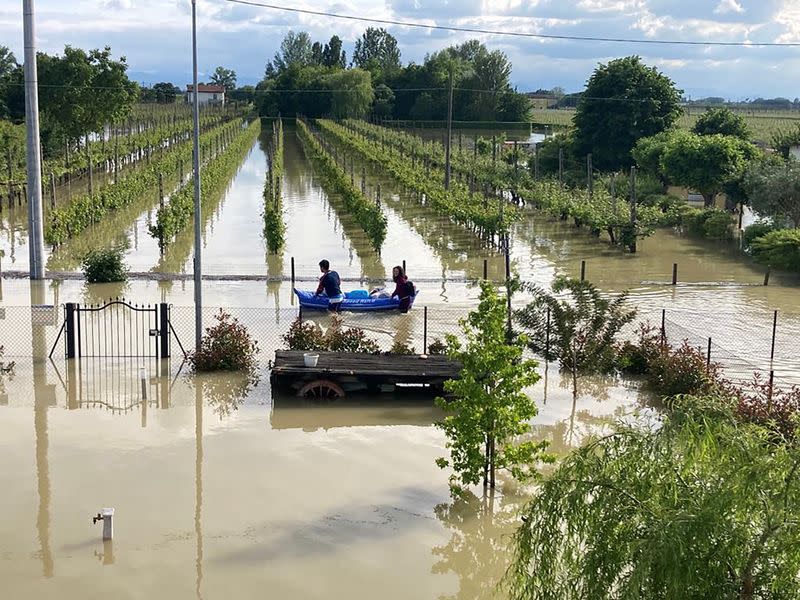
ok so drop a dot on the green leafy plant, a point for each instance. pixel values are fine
(779, 249)
(756, 230)
(274, 227)
(575, 325)
(226, 346)
(104, 265)
(702, 506)
(437, 347)
(305, 335)
(365, 212)
(489, 412)
(399, 347)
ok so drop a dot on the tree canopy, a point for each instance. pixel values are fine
(624, 100)
(705, 163)
(481, 78)
(376, 51)
(774, 190)
(722, 121)
(224, 77)
(700, 506)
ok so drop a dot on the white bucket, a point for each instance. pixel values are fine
(310, 359)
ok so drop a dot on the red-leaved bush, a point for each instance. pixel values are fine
(226, 346)
(773, 408)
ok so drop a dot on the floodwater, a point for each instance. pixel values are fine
(221, 489)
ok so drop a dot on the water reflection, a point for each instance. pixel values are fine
(477, 551)
(198, 484)
(289, 412)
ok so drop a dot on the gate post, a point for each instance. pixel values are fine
(69, 320)
(163, 329)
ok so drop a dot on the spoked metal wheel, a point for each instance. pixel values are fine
(322, 390)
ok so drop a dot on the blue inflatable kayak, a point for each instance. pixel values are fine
(355, 300)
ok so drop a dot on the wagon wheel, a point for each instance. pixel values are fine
(321, 389)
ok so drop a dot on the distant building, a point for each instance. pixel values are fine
(206, 94)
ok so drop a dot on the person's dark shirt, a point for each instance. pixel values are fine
(330, 283)
(401, 287)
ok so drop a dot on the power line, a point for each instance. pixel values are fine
(544, 36)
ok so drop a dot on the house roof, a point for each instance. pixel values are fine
(206, 88)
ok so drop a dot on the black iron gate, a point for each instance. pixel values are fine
(117, 329)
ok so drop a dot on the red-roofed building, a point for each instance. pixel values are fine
(206, 93)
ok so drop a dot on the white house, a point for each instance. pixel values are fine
(206, 93)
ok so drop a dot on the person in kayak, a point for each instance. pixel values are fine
(330, 286)
(403, 288)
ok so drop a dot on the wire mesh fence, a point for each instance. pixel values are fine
(762, 344)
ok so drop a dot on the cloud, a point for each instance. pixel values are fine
(155, 36)
(728, 6)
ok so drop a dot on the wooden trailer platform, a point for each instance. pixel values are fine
(337, 373)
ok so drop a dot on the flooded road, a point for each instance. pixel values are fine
(223, 492)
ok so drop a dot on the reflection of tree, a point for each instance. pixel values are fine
(225, 391)
(478, 550)
(100, 293)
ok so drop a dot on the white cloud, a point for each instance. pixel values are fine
(728, 6)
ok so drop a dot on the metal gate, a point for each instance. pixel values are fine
(117, 329)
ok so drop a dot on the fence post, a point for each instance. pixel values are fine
(708, 357)
(674, 273)
(485, 269)
(378, 195)
(404, 268)
(293, 272)
(163, 329)
(583, 270)
(547, 337)
(766, 276)
(300, 313)
(663, 326)
(771, 381)
(774, 331)
(69, 319)
(52, 190)
(425, 330)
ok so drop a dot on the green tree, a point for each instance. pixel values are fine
(624, 100)
(722, 121)
(575, 325)
(295, 50)
(774, 190)
(332, 54)
(224, 77)
(648, 152)
(701, 506)
(165, 92)
(384, 101)
(490, 413)
(705, 162)
(376, 51)
(351, 93)
(316, 54)
(80, 92)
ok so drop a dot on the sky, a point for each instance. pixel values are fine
(155, 36)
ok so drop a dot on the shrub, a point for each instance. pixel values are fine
(226, 346)
(780, 249)
(437, 346)
(756, 230)
(683, 371)
(711, 223)
(774, 409)
(717, 225)
(400, 348)
(635, 358)
(352, 339)
(305, 335)
(104, 265)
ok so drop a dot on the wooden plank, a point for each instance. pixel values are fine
(390, 366)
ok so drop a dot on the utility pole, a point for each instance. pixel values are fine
(35, 228)
(449, 131)
(198, 270)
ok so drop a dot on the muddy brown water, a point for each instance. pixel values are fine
(228, 495)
